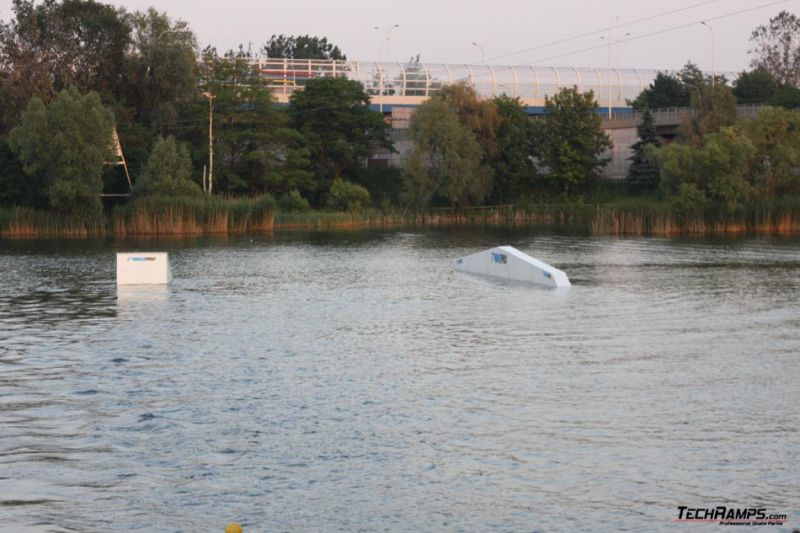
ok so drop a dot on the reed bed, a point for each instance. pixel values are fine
(194, 216)
(24, 222)
(170, 217)
(337, 219)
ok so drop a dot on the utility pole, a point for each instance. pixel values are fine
(210, 142)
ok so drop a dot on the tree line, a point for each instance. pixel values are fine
(74, 71)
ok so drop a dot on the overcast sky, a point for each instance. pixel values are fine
(444, 30)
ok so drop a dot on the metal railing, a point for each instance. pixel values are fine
(419, 80)
(674, 114)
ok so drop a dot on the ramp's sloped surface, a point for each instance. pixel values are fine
(509, 263)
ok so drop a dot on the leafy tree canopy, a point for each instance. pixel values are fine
(255, 149)
(775, 134)
(167, 172)
(49, 46)
(788, 97)
(479, 115)
(512, 163)
(665, 91)
(161, 67)
(445, 160)
(301, 47)
(755, 87)
(65, 145)
(569, 142)
(339, 128)
(719, 167)
(716, 109)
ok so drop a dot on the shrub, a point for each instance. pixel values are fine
(293, 202)
(690, 202)
(347, 196)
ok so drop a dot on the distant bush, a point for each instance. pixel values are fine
(348, 196)
(293, 202)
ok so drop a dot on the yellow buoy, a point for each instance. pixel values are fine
(233, 527)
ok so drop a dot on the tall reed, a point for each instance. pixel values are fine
(24, 222)
(194, 216)
(204, 216)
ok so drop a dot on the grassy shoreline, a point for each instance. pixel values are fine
(253, 216)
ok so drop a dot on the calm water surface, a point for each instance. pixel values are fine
(353, 381)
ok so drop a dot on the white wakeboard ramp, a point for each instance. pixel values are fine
(143, 268)
(507, 262)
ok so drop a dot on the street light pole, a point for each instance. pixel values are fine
(388, 33)
(483, 55)
(713, 53)
(611, 42)
(387, 39)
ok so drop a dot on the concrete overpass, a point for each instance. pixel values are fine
(396, 89)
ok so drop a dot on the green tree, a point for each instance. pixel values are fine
(445, 160)
(788, 97)
(339, 128)
(49, 46)
(643, 174)
(775, 134)
(719, 167)
(255, 148)
(479, 115)
(715, 107)
(691, 76)
(667, 90)
(65, 145)
(16, 187)
(755, 87)
(514, 171)
(301, 47)
(569, 142)
(161, 66)
(777, 48)
(167, 172)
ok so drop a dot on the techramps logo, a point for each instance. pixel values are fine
(731, 516)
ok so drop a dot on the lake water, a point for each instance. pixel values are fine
(354, 381)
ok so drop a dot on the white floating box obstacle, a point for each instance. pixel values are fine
(507, 262)
(143, 268)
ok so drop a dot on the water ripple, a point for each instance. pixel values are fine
(355, 382)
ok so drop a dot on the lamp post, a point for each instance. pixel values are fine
(387, 39)
(713, 53)
(483, 55)
(611, 42)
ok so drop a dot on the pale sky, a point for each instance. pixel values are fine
(443, 31)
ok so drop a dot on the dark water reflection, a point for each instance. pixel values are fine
(346, 381)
